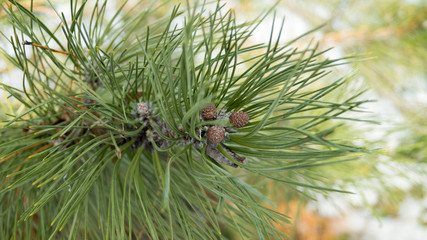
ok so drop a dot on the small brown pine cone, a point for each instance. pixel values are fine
(215, 134)
(208, 113)
(239, 119)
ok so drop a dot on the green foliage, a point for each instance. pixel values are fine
(83, 160)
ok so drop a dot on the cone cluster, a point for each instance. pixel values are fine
(215, 134)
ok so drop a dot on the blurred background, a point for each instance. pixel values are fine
(389, 198)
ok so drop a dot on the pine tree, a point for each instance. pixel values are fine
(150, 125)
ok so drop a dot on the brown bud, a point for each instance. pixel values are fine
(142, 109)
(215, 134)
(208, 113)
(239, 119)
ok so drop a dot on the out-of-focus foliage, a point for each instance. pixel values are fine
(393, 34)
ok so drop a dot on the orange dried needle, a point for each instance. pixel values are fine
(20, 151)
(26, 160)
(46, 48)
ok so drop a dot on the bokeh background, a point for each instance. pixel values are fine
(389, 199)
(389, 185)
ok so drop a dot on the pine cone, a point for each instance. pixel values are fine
(239, 119)
(215, 134)
(208, 113)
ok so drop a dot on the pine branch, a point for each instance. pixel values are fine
(132, 132)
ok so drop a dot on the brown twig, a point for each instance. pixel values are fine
(215, 154)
